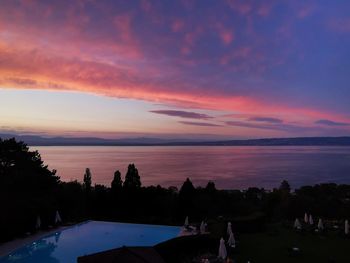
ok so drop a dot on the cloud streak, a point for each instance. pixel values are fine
(331, 123)
(202, 124)
(183, 114)
(277, 126)
(252, 125)
(266, 119)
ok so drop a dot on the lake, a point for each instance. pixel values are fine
(230, 167)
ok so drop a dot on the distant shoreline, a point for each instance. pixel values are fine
(31, 140)
(162, 145)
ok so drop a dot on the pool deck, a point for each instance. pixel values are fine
(10, 246)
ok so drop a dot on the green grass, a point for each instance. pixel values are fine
(272, 246)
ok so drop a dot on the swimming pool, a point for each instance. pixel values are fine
(87, 238)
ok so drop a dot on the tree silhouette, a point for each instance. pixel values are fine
(187, 189)
(87, 180)
(285, 186)
(210, 188)
(132, 178)
(117, 182)
(27, 188)
(186, 199)
(24, 170)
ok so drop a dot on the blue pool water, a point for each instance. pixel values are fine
(87, 238)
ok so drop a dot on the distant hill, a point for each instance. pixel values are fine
(34, 140)
(299, 141)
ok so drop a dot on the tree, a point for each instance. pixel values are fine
(117, 182)
(186, 198)
(27, 188)
(285, 187)
(132, 178)
(22, 171)
(210, 188)
(187, 189)
(87, 180)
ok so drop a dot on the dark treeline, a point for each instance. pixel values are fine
(28, 189)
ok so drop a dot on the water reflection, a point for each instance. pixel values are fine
(34, 253)
(57, 236)
(229, 167)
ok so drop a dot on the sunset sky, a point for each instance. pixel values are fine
(201, 69)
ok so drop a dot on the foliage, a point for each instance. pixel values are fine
(187, 189)
(117, 182)
(87, 180)
(28, 189)
(285, 186)
(210, 188)
(132, 178)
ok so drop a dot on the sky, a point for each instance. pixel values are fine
(205, 69)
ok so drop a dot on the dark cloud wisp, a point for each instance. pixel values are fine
(204, 124)
(266, 119)
(183, 114)
(331, 123)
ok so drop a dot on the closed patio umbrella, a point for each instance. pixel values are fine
(297, 224)
(186, 221)
(222, 249)
(306, 218)
(202, 228)
(57, 218)
(38, 223)
(229, 228)
(231, 240)
(320, 224)
(346, 227)
(311, 220)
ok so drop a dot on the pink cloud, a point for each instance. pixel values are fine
(123, 25)
(121, 55)
(226, 34)
(264, 10)
(185, 50)
(190, 39)
(238, 53)
(177, 25)
(243, 7)
(25, 25)
(56, 73)
(340, 25)
(305, 11)
(146, 5)
(285, 30)
(226, 37)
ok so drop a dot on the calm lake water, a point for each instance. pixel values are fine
(228, 166)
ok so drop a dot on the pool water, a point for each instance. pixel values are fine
(87, 238)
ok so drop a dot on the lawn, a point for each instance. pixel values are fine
(273, 246)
